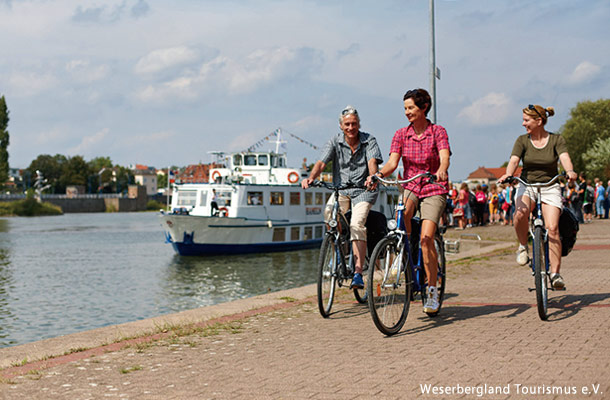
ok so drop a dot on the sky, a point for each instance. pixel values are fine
(164, 83)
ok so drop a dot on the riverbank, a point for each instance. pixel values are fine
(28, 208)
(276, 345)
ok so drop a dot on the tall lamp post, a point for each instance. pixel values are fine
(435, 73)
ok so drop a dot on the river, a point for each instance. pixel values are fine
(76, 272)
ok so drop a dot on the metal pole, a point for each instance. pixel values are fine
(432, 65)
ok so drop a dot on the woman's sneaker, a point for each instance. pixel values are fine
(557, 282)
(522, 257)
(431, 306)
(357, 282)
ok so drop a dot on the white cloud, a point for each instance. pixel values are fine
(584, 72)
(234, 76)
(493, 109)
(89, 143)
(163, 59)
(82, 71)
(27, 83)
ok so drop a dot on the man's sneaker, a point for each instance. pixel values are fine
(557, 282)
(431, 306)
(522, 257)
(357, 282)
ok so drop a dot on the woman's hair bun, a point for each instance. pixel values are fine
(550, 111)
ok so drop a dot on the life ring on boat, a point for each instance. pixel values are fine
(215, 175)
(293, 177)
(223, 212)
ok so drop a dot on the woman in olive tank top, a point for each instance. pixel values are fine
(539, 150)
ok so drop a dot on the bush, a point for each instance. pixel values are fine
(154, 205)
(29, 208)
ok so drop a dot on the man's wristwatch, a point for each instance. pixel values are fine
(379, 173)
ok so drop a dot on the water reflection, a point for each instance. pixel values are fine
(6, 281)
(199, 281)
(76, 272)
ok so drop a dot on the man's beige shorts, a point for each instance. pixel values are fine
(359, 213)
(431, 207)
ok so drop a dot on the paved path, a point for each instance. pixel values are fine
(487, 342)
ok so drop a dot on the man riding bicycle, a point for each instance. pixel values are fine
(355, 156)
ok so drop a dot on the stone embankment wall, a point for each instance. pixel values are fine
(135, 201)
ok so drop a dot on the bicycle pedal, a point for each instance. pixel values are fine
(531, 289)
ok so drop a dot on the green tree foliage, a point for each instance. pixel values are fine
(589, 122)
(51, 168)
(597, 159)
(4, 141)
(102, 166)
(76, 171)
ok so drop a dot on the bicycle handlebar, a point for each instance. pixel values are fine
(334, 187)
(510, 179)
(431, 179)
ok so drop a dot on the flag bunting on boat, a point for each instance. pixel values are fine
(275, 134)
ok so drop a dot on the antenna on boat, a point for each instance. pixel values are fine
(278, 141)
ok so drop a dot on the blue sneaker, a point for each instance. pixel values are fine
(357, 282)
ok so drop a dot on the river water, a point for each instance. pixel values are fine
(76, 272)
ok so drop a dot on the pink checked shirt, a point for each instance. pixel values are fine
(421, 155)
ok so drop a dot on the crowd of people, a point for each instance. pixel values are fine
(495, 204)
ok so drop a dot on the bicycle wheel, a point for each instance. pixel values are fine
(540, 275)
(389, 298)
(327, 275)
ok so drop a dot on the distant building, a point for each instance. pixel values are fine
(487, 176)
(196, 173)
(147, 177)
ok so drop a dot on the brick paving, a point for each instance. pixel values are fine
(488, 337)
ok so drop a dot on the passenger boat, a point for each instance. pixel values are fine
(260, 207)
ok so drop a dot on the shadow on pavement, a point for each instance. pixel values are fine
(454, 313)
(567, 306)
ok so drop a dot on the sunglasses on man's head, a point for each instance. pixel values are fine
(532, 107)
(349, 111)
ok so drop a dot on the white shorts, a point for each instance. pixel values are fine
(549, 195)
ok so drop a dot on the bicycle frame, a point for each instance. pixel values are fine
(404, 244)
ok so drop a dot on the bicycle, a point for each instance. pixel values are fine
(336, 262)
(396, 271)
(539, 262)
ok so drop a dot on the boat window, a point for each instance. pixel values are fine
(250, 159)
(308, 234)
(276, 198)
(319, 198)
(204, 198)
(237, 159)
(263, 159)
(274, 161)
(295, 233)
(295, 198)
(319, 231)
(255, 198)
(308, 198)
(186, 198)
(279, 234)
(282, 162)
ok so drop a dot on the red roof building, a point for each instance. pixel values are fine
(483, 175)
(197, 173)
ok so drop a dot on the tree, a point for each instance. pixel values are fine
(4, 141)
(589, 122)
(51, 168)
(102, 166)
(597, 159)
(76, 171)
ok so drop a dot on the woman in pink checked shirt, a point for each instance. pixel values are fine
(423, 147)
